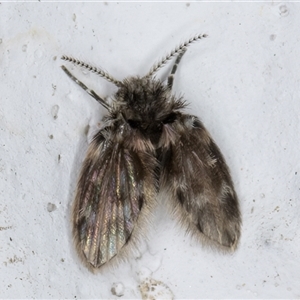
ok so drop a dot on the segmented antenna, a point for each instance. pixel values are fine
(92, 69)
(177, 50)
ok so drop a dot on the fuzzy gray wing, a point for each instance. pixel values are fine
(114, 186)
(195, 173)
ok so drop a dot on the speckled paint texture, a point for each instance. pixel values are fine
(242, 82)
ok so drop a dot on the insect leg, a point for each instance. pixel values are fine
(174, 69)
(89, 91)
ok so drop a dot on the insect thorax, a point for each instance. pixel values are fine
(146, 105)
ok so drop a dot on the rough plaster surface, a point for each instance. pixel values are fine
(243, 82)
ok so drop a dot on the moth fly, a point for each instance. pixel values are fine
(148, 145)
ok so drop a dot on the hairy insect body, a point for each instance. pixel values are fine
(148, 145)
(146, 107)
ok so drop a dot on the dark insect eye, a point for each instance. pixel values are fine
(169, 118)
(197, 124)
(134, 123)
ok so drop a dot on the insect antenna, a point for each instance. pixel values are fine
(174, 69)
(92, 69)
(89, 91)
(177, 50)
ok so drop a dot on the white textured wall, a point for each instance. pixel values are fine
(243, 82)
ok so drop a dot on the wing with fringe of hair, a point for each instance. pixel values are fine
(116, 186)
(197, 178)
